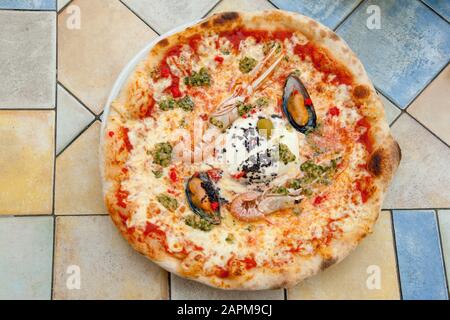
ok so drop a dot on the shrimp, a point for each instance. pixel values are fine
(251, 206)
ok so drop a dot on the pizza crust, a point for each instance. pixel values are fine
(383, 161)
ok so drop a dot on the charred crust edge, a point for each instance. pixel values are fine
(225, 17)
(163, 43)
(361, 91)
(326, 263)
(375, 165)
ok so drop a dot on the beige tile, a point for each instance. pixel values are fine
(72, 118)
(91, 58)
(78, 188)
(423, 178)
(432, 107)
(27, 59)
(108, 267)
(182, 289)
(444, 227)
(242, 5)
(26, 162)
(390, 110)
(168, 14)
(348, 280)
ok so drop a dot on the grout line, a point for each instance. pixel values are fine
(64, 7)
(82, 215)
(415, 209)
(169, 284)
(419, 93)
(212, 9)
(270, 1)
(140, 18)
(435, 11)
(106, 214)
(77, 99)
(429, 130)
(54, 159)
(399, 280)
(29, 10)
(27, 109)
(348, 15)
(438, 225)
(76, 137)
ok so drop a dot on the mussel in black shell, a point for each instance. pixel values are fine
(203, 197)
(297, 105)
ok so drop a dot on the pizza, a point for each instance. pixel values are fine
(248, 151)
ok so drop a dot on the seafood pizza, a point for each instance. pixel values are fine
(249, 151)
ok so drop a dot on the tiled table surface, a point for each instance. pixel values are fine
(54, 81)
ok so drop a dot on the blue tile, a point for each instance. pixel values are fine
(330, 13)
(28, 4)
(402, 57)
(26, 245)
(440, 6)
(420, 262)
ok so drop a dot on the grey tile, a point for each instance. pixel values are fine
(27, 59)
(26, 246)
(72, 118)
(166, 15)
(390, 110)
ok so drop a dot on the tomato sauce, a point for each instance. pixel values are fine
(365, 137)
(237, 35)
(194, 42)
(323, 63)
(126, 139)
(334, 111)
(122, 196)
(363, 186)
(151, 228)
(146, 111)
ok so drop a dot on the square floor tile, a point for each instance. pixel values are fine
(168, 14)
(90, 58)
(27, 59)
(28, 4)
(423, 177)
(330, 13)
(368, 273)
(432, 107)
(182, 289)
(78, 188)
(444, 227)
(26, 246)
(72, 118)
(242, 5)
(92, 256)
(420, 262)
(441, 6)
(409, 49)
(26, 162)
